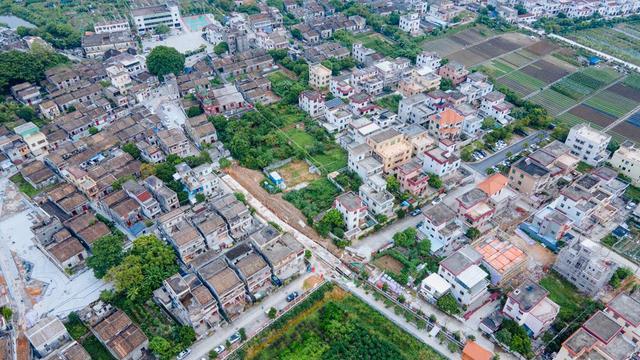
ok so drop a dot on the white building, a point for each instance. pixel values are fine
(353, 211)
(588, 144)
(441, 227)
(414, 109)
(111, 26)
(627, 160)
(529, 305)
(312, 102)
(493, 105)
(433, 287)
(149, 17)
(375, 195)
(119, 77)
(410, 23)
(468, 281)
(362, 162)
(428, 58)
(441, 160)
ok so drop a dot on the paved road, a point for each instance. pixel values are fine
(493, 160)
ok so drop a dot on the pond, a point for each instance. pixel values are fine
(14, 21)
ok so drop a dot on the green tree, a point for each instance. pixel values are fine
(20, 66)
(243, 334)
(307, 254)
(406, 238)
(161, 347)
(200, 197)
(163, 60)
(446, 84)
(473, 233)
(297, 34)
(272, 313)
(221, 48)
(488, 123)
(435, 181)
(424, 247)
(132, 149)
(240, 197)
(107, 253)
(225, 163)
(93, 130)
(162, 29)
(331, 221)
(194, 111)
(393, 185)
(448, 304)
(6, 312)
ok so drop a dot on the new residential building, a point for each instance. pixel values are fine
(529, 305)
(588, 144)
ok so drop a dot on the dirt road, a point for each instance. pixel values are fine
(250, 180)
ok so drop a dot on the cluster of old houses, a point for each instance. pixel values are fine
(536, 9)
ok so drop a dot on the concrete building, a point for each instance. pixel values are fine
(353, 211)
(584, 267)
(446, 124)
(434, 287)
(95, 45)
(47, 335)
(454, 71)
(312, 102)
(468, 281)
(441, 161)
(588, 144)
(502, 259)
(528, 177)
(441, 227)
(374, 194)
(391, 148)
(109, 26)
(627, 160)
(147, 18)
(529, 305)
(319, 76)
(410, 23)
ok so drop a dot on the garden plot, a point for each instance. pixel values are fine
(545, 71)
(592, 115)
(490, 49)
(518, 58)
(612, 103)
(296, 172)
(389, 264)
(619, 41)
(553, 101)
(521, 83)
(450, 44)
(628, 129)
(542, 48)
(583, 83)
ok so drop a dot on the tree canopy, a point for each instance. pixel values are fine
(163, 60)
(107, 253)
(20, 66)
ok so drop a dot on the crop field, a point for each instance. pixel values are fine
(611, 103)
(518, 58)
(553, 101)
(522, 83)
(490, 49)
(621, 41)
(583, 83)
(542, 48)
(333, 324)
(546, 71)
(450, 44)
(593, 115)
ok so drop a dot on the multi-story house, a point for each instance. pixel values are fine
(391, 148)
(200, 130)
(362, 54)
(454, 71)
(26, 93)
(252, 269)
(468, 281)
(414, 109)
(235, 214)
(374, 194)
(109, 26)
(226, 286)
(441, 227)
(173, 141)
(199, 180)
(190, 302)
(34, 138)
(150, 207)
(319, 76)
(583, 266)
(502, 259)
(412, 178)
(167, 198)
(353, 211)
(428, 58)
(214, 229)
(528, 177)
(340, 87)
(362, 162)
(312, 102)
(627, 160)
(446, 124)
(529, 305)
(475, 87)
(441, 160)
(410, 23)
(588, 144)
(47, 335)
(284, 254)
(95, 45)
(186, 239)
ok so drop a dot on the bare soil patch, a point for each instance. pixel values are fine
(388, 263)
(545, 71)
(296, 172)
(592, 115)
(625, 91)
(628, 130)
(542, 47)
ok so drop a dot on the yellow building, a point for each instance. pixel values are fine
(319, 76)
(391, 148)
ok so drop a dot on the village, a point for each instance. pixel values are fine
(187, 182)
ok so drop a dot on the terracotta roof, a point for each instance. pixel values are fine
(447, 117)
(493, 184)
(473, 351)
(501, 255)
(66, 249)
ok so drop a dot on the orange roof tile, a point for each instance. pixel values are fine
(473, 351)
(447, 117)
(493, 184)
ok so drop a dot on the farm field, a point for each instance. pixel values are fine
(491, 48)
(621, 41)
(333, 324)
(448, 45)
(630, 128)
(296, 172)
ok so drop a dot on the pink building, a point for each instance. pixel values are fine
(412, 179)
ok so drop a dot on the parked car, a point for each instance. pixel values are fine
(219, 349)
(183, 354)
(436, 201)
(276, 281)
(234, 338)
(415, 212)
(292, 296)
(630, 205)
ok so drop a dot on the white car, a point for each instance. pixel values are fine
(631, 205)
(219, 349)
(436, 201)
(183, 354)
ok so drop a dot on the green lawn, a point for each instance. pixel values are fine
(563, 293)
(333, 324)
(300, 138)
(24, 186)
(331, 160)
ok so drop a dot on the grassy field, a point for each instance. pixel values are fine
(331, 160)
(24, 186)
(563, 293)
(621, 41)
(300, 138)
(333, 324)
